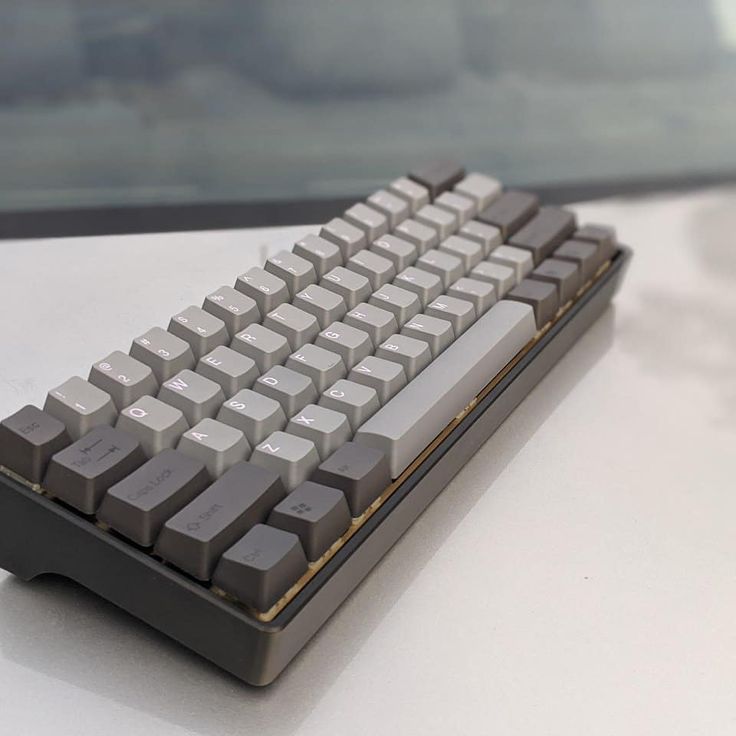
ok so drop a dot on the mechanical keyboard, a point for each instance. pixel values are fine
(231, 478)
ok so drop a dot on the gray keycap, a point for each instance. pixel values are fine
(487, 236)
(393, 207)
(28, 440)
(254, 414)
(81, 473)
(80, 406)
(350, 343)
(261, 567)
(296, 272)
(124, 378)
(540, 295)
(361, 473)
(386, 377)
(437, 176)
(324, 304)
(266, 347)
(291, 389)
(549, 228)
(483, 189)
(236, 310)
(195, 396)
(195, 538)
(400, 252)
(200, 329)
(437, 333)
(402, 303)
(321, 253)
(408, 423)
(351, 286)
(585, 254)
(370, 221)
(377, 269)
(425, 285)
(502, 277)
(517, 258)
(296, 325)
(378, 323)
(422, 237)
(355, 401)
(156, 425)
(464, 208)
(414, 355)
(601, 235)
(448, 267)
(444, 222)
(348, 238)
(139, 505)
(604, 238)
(415, 194)
(267, 290)
(316, 513)
(469, 252)
(324, 367)
(219, 446)
(460, 313)
(232, 370)
(565, 275)
(328, 429)
(510, 211)
(164, 353)
(480, 293)
(293, 458)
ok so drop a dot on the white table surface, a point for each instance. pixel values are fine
(577, 577)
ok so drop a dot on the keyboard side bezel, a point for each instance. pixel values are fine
(39, 535)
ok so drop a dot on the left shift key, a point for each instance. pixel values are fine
(81, 473)
(28, 439)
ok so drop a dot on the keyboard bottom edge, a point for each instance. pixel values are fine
(33, 528)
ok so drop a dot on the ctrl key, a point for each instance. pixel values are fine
(82, 473)
(261, 567)
(28, 439)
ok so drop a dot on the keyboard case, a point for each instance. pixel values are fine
(40, 536)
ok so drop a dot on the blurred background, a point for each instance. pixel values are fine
(133, 102)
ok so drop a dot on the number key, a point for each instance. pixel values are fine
(200, 329)
(164, 353)
(124, 378)
(80, 406)
(296, 272)
(236, 310)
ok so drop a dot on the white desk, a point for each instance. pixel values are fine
(577, 577)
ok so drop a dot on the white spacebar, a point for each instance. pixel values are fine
(422, 409)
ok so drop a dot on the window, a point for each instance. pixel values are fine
(195, 101)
